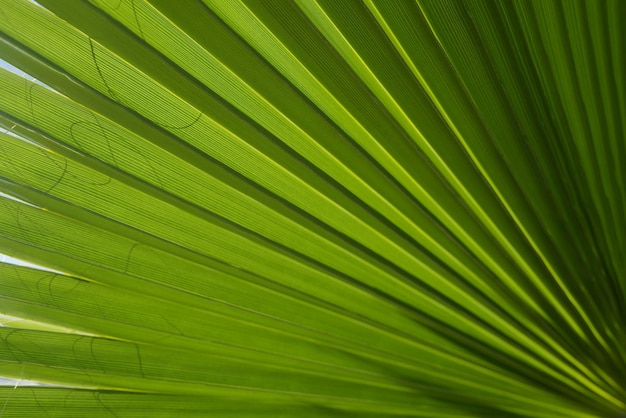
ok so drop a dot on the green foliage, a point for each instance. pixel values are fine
(314, 208)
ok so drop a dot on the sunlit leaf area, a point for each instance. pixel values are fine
(313, 208)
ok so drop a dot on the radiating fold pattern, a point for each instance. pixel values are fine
(314, 208)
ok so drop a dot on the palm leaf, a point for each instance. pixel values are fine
(313, 208)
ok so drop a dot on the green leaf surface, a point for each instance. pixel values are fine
(314, 208)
